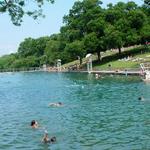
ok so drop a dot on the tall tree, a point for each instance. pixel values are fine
(114, 38)
(125, 21)
(84, 18)
(94, 44)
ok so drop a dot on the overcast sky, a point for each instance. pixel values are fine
(11, 36)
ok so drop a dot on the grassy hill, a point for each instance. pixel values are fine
(130, 58)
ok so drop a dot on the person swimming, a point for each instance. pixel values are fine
(97, 76)
(34, 124)
(46, 139)
(58, 104)
(141, 98)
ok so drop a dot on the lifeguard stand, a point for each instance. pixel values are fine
(145, 67)
(59, 65)
(89, 62)
(44, 67)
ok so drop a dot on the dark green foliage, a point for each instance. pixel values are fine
(18, 8)
(27, 62)
(7, 60)
(33, 47)
(147, 2)
(75, 50)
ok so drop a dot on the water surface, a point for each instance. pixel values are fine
(103, 114)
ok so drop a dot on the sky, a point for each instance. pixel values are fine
(11, 36)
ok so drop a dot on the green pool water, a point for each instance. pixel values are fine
(103, 114)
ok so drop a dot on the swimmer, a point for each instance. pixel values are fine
(47, 140)
(141, 98)
(97, 76)
(34, 124)
(58, 104)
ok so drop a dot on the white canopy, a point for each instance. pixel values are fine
(88, 55)
(58, 60)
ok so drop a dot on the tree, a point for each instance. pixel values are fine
(7, 60)
(125, 22)
(93, 44)
(79, 17)
(27, 62)
(136, 19)
(131, 37)
(18, 8)
(75, 50)
(52, 51)
(33, 47)
(27, 47)
(40, 45)
(114, 38)
(145, 34)
(147, 2)
(94, 40)
(84, 18)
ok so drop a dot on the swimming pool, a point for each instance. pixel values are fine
(97, 114)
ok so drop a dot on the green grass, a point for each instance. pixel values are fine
(116, 65)
(77, 62)
(139, 55)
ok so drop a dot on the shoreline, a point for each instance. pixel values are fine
(100, 72)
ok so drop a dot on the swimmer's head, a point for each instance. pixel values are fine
(60, 103)
(141, 98)
(33, 122)
(53, 139)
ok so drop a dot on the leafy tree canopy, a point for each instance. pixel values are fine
(18, 8)
(147, 2)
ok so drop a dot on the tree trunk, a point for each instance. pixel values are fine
(80, 61)
(99, 56)
(119, 48)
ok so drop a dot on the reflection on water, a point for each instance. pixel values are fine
(98, 114)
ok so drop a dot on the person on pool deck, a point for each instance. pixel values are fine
(34, 124)
(47, 140)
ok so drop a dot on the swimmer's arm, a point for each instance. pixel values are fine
(51, 104)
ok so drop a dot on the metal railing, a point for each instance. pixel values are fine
(31, 69)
